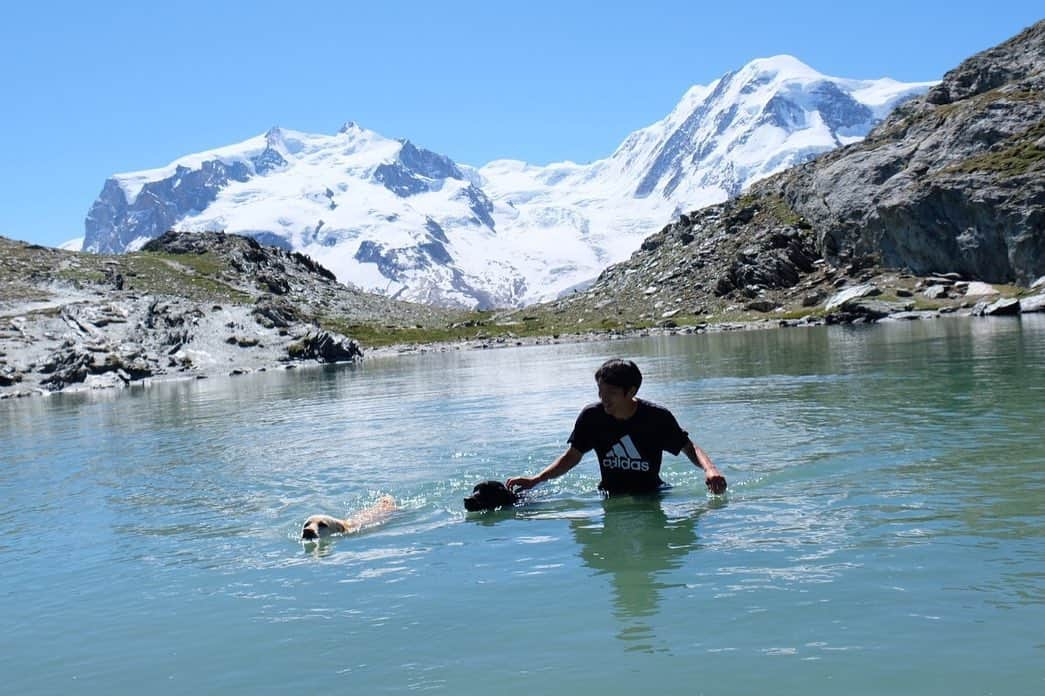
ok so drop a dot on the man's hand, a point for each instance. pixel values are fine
(522, 483)
(715, 481)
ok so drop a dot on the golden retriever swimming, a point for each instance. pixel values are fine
(323, 526)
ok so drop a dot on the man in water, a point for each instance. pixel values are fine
(629, 436)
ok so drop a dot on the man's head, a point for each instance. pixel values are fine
(619, 381)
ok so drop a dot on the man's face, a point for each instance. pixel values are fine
(617, 401)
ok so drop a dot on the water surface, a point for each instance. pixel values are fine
(883, 531)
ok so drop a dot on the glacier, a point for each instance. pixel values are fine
(391, 217)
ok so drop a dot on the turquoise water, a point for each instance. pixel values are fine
(883, 531)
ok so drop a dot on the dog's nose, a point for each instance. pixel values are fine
(307, 533)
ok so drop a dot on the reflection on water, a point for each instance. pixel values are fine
(634, 542)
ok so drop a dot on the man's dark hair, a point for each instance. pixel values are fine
(619, 373)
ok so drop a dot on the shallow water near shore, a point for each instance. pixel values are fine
(882, 533)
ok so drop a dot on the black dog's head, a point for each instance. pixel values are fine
(489, 495)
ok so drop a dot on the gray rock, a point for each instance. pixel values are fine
(761, 305)
(978, 289)
(814, 298)
(270, 282)
(936, 292)
(1034, 303)
(326, 347)
(9, 376)
(875, 309)
(857, 291)
(273, 312)
(941, 184)
(1005, 307)
(66, 366)
(910, 316)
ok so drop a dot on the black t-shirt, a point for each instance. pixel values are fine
(629, 451)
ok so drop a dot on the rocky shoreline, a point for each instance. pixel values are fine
(189, 306)
(72, 342)
(859, 310)
(90, 345)
(192, 306)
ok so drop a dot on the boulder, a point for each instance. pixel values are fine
(275, 284)
(1005, 307)
(272, 312)
(69, 365)
(9, 376)
(855, 292)
(936, 292)
(875, 309)
(861, 310)
(814, 298)
(1034, 303)
(761, 305)
(325, 347)
(978, 289)
(910, 316)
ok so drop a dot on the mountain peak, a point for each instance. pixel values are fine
(781, 66)
(391, 216)
(274, 136)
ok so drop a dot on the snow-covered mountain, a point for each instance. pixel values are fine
(389, 216)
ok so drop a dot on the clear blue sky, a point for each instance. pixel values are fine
(90, 89)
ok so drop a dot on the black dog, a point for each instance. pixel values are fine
(489, 495)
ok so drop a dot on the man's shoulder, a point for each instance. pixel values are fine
(652, 407)
(591, 410)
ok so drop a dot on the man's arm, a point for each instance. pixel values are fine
(565, 461)
(714, 480)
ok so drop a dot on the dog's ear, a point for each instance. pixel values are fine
(489, 495)
(501, 492)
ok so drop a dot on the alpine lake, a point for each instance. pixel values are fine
(883, 531)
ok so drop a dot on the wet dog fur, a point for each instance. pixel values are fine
(319, 527)
(489, 495)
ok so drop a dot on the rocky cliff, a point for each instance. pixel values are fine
(952, 181)
(948, 192)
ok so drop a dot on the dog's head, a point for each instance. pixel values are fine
(489, 495)
(321, 527)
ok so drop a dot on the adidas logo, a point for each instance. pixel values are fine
(625, 456)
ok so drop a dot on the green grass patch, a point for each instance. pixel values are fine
(188, 275)
(205, 264)
(774, 206)
(1012, 157)
(474, 326)
(81, 275)
(802, 313)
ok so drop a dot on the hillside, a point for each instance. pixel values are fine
(943, 199)
(186, 305)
